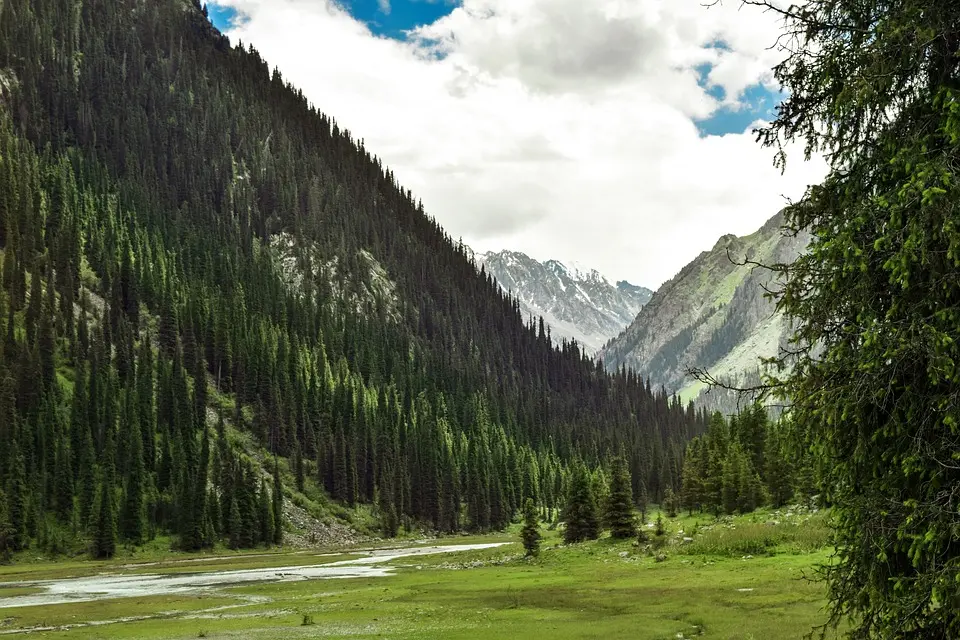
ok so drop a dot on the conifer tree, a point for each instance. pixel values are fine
(235, 525)
(580, 512)
(530, 534)
(642, 503)
(670, 502)
(277, 505)
(618, 513)
(265, 514)
(133, 516)
(691, 483)
(16, 500)
(105, 527)
(63, 483)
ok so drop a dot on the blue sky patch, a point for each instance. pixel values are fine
(389, 18)
(756, 102)
(402, 15)
(221, 16)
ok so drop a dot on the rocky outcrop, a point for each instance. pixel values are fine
(713, 315)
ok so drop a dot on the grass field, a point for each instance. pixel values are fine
(738, 578)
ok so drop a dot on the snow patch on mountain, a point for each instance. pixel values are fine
(576, 302)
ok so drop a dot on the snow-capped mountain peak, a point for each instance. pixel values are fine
(576, 301)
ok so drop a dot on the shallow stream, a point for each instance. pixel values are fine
(371, 564)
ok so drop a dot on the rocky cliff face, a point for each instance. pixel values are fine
(712, 315)
(576, 303)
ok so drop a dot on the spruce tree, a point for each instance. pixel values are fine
(618, 513)
(691, 482)
(530, 534)
(133, 516)
(872, 378)
(104, 543)
(642, 503)
(235, 524)
(17, 500)
(580, 512)
(277, 505)
(670, 502)
(63, 475)
(265, 514)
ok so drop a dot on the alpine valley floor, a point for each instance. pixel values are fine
(745, 577)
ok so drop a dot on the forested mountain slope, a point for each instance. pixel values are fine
(202, 275)
(712, 315)
(575, 303)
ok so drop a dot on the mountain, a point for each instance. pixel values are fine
(217, 305)
(575, 302)
(712, 315)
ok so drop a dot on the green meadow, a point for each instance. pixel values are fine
(746, 577)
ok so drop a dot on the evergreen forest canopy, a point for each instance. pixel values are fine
(195, 259)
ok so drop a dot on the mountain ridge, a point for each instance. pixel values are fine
(576, 302)
(713, 314)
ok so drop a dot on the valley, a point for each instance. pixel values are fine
(738, 578)
(251, 386)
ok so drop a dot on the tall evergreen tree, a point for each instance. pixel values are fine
(530, 533)
(580, 513)
(618, 513)
(104, 543)
(277, 505)
(133, 516)
(16, 493)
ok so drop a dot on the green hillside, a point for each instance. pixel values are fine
(213, 296)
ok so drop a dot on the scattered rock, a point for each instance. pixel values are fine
(310, 532)
(624, 554)
(660, 557)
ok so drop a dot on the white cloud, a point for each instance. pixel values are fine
(384, 6)
(562, 128)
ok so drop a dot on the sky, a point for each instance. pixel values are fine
(613, 133)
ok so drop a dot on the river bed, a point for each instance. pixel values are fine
(371, 564)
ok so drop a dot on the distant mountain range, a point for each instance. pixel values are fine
(712, 315)
(576, 302)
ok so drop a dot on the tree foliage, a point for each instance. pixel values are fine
(618, 515)
(580, 514)
(874, 86)
(530, 533)
(744, 463)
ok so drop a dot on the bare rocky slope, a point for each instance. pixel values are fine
(713, 315)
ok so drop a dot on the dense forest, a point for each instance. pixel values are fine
(745, 462)
(195, 259)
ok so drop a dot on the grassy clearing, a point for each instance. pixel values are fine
(743, 536)
(604, 589)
